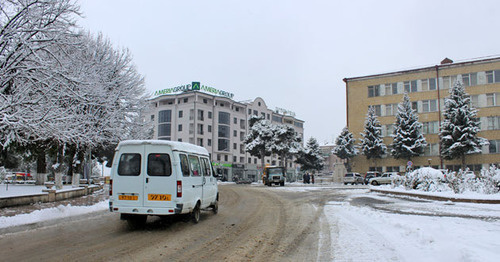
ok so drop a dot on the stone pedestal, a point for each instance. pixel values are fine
(52, 194)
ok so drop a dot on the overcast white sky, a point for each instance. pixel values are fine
(294, 54)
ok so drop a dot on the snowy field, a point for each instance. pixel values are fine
(365, 234)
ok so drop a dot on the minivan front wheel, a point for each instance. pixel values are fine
(195, 215)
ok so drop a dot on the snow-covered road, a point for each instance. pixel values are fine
(366, 226)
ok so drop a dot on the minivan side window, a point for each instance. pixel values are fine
(206, 166)
(184, 165)
(129, 165)
(195, 166)
(159, 165)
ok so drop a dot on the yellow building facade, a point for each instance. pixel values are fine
(427, 88)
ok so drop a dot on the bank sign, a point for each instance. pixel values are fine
(194, 86)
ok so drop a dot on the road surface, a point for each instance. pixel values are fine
(253, 223)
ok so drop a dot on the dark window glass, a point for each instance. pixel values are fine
(432, 83)
(414, 86)
(165, 116)
(224, 131)
(164, 130)
(129, 165)
(223, 145)
(224, 118)
(184, 165)
(159, 165)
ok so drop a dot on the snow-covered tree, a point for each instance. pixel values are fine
(259, 140)
(286, 142)
(310, 157)
(344, 146)
(408, 140)
(372, 145)
(460, 126)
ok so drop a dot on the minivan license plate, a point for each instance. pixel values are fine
(159, 197)
(127, 197)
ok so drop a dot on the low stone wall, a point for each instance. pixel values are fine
(48, 195)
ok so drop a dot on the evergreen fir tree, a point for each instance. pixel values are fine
(408, 140)
(286, 142)
(344, 147)
(260, 138)
(460, 126)
(372, 145)
(310, 158)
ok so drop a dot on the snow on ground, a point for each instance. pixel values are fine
(51, 213)
(365, 234)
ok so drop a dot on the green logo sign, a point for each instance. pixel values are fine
(195, 86)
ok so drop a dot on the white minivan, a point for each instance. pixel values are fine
(158, 178)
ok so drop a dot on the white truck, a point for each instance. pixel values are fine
(161, 178)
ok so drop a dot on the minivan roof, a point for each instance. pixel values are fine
(176, 146)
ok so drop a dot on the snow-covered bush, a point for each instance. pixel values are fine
(426, 179)
(433, 180)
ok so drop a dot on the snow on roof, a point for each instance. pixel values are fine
(176, 146)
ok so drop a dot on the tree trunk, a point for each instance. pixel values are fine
(463, 162)
(41, 166)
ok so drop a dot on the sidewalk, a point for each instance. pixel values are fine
(16, 190)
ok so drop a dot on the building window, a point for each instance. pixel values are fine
(234, 159)
(224, 118)
(242, 136)
(223, 145)
(493, 76)
(249, 160)
(180, 113)
(431, 150)
(430, 127)
(378, 110)
(180, 139)
(491, 99)
(387, 130)
(494, 147)
(406, 85)
(391, 109)
(469, 79)
(209, 142)
(224, 131)
(235, 133)
(446, 82)
(429, 106)
(200, 129)
(218, 157)
(242, 159)
(474, 99)
(185, 100)
(200, 141)
(191, 128)
(413, 86)
(249, 111)
(388, 89)
(242, 123)
(373, 91)
(255, 161)
(164, 124)
(179, 128)
(152, 117)
(235, 121)
(414, 106)
(191, 114)
(395, 88)
(225, 158)
(277, 118)
(235, 146)
(209, 114)
(200, 115)
(209, 129)
(493, 122)
(205, 101)
(255, 113)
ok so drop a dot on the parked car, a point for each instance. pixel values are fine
(370, 174)
(353, 178)
(385, 178)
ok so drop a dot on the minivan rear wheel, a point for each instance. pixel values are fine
(196, 214)
(215, 207)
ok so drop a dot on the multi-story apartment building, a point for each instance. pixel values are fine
(427, 87)
(209, 117)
